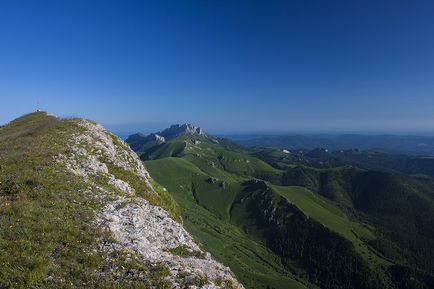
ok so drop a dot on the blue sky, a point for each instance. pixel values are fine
(224, 65)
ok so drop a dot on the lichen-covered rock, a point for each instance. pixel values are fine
(112, 148)
(149, 230)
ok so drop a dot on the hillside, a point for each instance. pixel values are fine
(288, 225)
(79, 210)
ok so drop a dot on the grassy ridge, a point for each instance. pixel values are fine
(47, 235)
(332, 217)
(45, 219)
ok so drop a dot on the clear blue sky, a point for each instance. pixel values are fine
(225, 65)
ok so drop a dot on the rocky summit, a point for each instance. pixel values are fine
(176, 130)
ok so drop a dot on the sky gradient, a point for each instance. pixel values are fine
(224, 65)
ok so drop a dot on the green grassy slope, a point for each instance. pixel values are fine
(205, 207)
(324, 211)
(39, 232)
(400, 208)
(207, 181)
(332, 217)
(47, 235)
(334, 212)
(328, 257)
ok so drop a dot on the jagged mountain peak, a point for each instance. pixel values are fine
(176, 130)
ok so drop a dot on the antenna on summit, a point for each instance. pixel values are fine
(37, 107)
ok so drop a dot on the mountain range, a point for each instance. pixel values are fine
(403, 144)
(283, 218)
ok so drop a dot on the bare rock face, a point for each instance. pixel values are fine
(157, 137)
(101, 142)
(136, 225)
(94, 148)
(149, 230)
(184, 129)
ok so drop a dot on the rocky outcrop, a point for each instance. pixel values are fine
(156, 137)
(149, 230)
(143, 229)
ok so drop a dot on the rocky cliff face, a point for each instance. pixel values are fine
(135, 222)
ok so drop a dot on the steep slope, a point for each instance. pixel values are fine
(79, 210)
(400, 207)
(304, 226)
(323, 241)
(206, 212)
